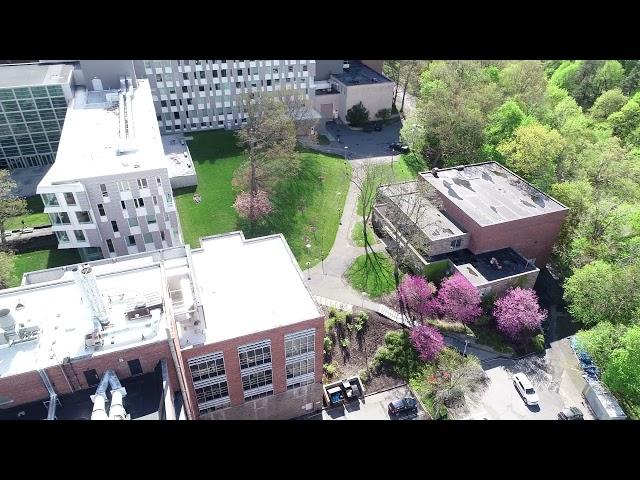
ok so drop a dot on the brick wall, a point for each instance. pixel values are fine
(232, 365)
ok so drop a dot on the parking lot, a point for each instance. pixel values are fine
(556, 377)
(372, 407)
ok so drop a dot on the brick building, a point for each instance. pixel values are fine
(237, 330)
(492, 226)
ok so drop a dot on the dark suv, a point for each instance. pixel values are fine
(571, 413)
(404, 405)
(399, 147)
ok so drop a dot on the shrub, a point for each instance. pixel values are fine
(329, 369)
(538, 343)
(399, 354)
(454, 327)
(341, 318)
(345, 343)
(357, 115)
(384, 114)
(364, 375)
(361, 321)
(332, 312)
(328, 345)
(428, 341)
(329, 324)
(518, 314)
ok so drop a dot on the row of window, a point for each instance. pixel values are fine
(62, 218)
(63, 237)
(51, 199)
(125, 185)
(51, 127)
(29, 92)
(130, 240)
(30, 104)
(8, 116)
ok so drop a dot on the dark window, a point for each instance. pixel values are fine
(185, 89)
(135, 367)
(223, 73)
(101, 210)
(215, 73)
(268, 83)
(185, 76)
(114, 225)
(173, 103)
(103, 189)
(201, 88)
(110, 246)
(202, 74)
(91, 376)
(124, 206)
(176, 115)
(163, 103)
(238, 84)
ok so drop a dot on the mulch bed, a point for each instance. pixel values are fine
(351, 360)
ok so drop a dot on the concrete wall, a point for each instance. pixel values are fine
(28, 387)
(184, 181)
(374, 97)
(531, 237)
(269, 406)
(333, 99)
(108, 71)
(324, 68)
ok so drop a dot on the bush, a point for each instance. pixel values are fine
(357, 115)
(364, 375)
(345, 343)
(332, 312)
(399, 354)
(361, 321)
(453, 327)
(341, 318)
(328, 345)
(329, 324)
(384, 114)
(538, 343)
(329, 369)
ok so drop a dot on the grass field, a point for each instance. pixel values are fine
(33, 219)
(357, 235)
(374, 277)
(39, 260)
(305, 208)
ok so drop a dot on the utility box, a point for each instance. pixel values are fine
(602, 402)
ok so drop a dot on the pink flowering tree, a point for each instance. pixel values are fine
(427, 341)
(253, 206)
(518, 314)
(458, 300)
(415, 295)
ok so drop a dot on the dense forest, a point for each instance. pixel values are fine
(571, 128)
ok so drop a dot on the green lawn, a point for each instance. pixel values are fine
(33, 219)
(374, 276)
(357, 235)
(397, 172)
(41, 259)
(305, 208)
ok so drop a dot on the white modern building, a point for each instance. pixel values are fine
(109, 191)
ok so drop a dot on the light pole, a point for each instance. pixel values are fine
(364, 335)
(309, 262)
(345, 152)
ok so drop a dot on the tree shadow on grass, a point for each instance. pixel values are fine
(372, 274)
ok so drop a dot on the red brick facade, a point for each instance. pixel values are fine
(531, 237)
(232, 363)
(28, 387)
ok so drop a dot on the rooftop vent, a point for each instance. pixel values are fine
(460, 168)
(434, 172)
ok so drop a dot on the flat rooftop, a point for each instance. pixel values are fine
(491, 194)
(359, 74)
(433, 223)
(177, 156)
(95, 140)
(34, 75)
(55, 309)
(248, 286)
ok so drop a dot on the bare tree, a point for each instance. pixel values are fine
(301, 112)
(465, 382)
(10, 204)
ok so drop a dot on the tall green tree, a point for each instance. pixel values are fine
(533, 152)
(610, 75)
(626, 121)
(609, 102)
(503, 121)
(601, 340)
(525, 82)
(622, 374)
(11, 205)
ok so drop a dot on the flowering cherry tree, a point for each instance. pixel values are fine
(415, 294)
(253, 206)
(428, 342)
(458, 300)
(518, 314)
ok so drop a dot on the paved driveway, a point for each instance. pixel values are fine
(362, 144)
(372, 407)
(556, 377)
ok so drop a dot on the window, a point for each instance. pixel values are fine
(159, 77)
(62, 237)
(207, 366)
(239, 72)
(69, 198)
(268, 83)
(110, 246)
(114, 226)
(166, 217)
(258, 395)
(185, 89)
(201, 74)
(83, 217)
(176, 115)
(50, 200)
(151, 219)
(103, 189)
(238, 84)
(275, 69)
(91, 376)
(155, 199)
(101, 210)
(185, 76)
(138, 202)
(299, 348)
(201, 88)
(79, 235)
(251, 357)
(217, 86)
(159, 181)
(162, 237)
(135, 367)
(169, 199)
(291, 68)
(304, 68)
(123, 186)
(163, 103)
(300, 368)
(212, 392)
(215, 73)
(299, 343)
(131, 241)
(173, 103)
(123, 205)
(223, 73)
(456, 243)
(148, 238)
(60, 218)
(257, 380)
(142, 183)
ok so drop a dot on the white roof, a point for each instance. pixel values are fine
(491, 194)
(91, 136)
(247, 286)
(57, 308)
(29, 74)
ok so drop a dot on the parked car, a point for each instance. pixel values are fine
(378, 127)
(399, 147)
(525, 388)
(571, 413)
(404, 405)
